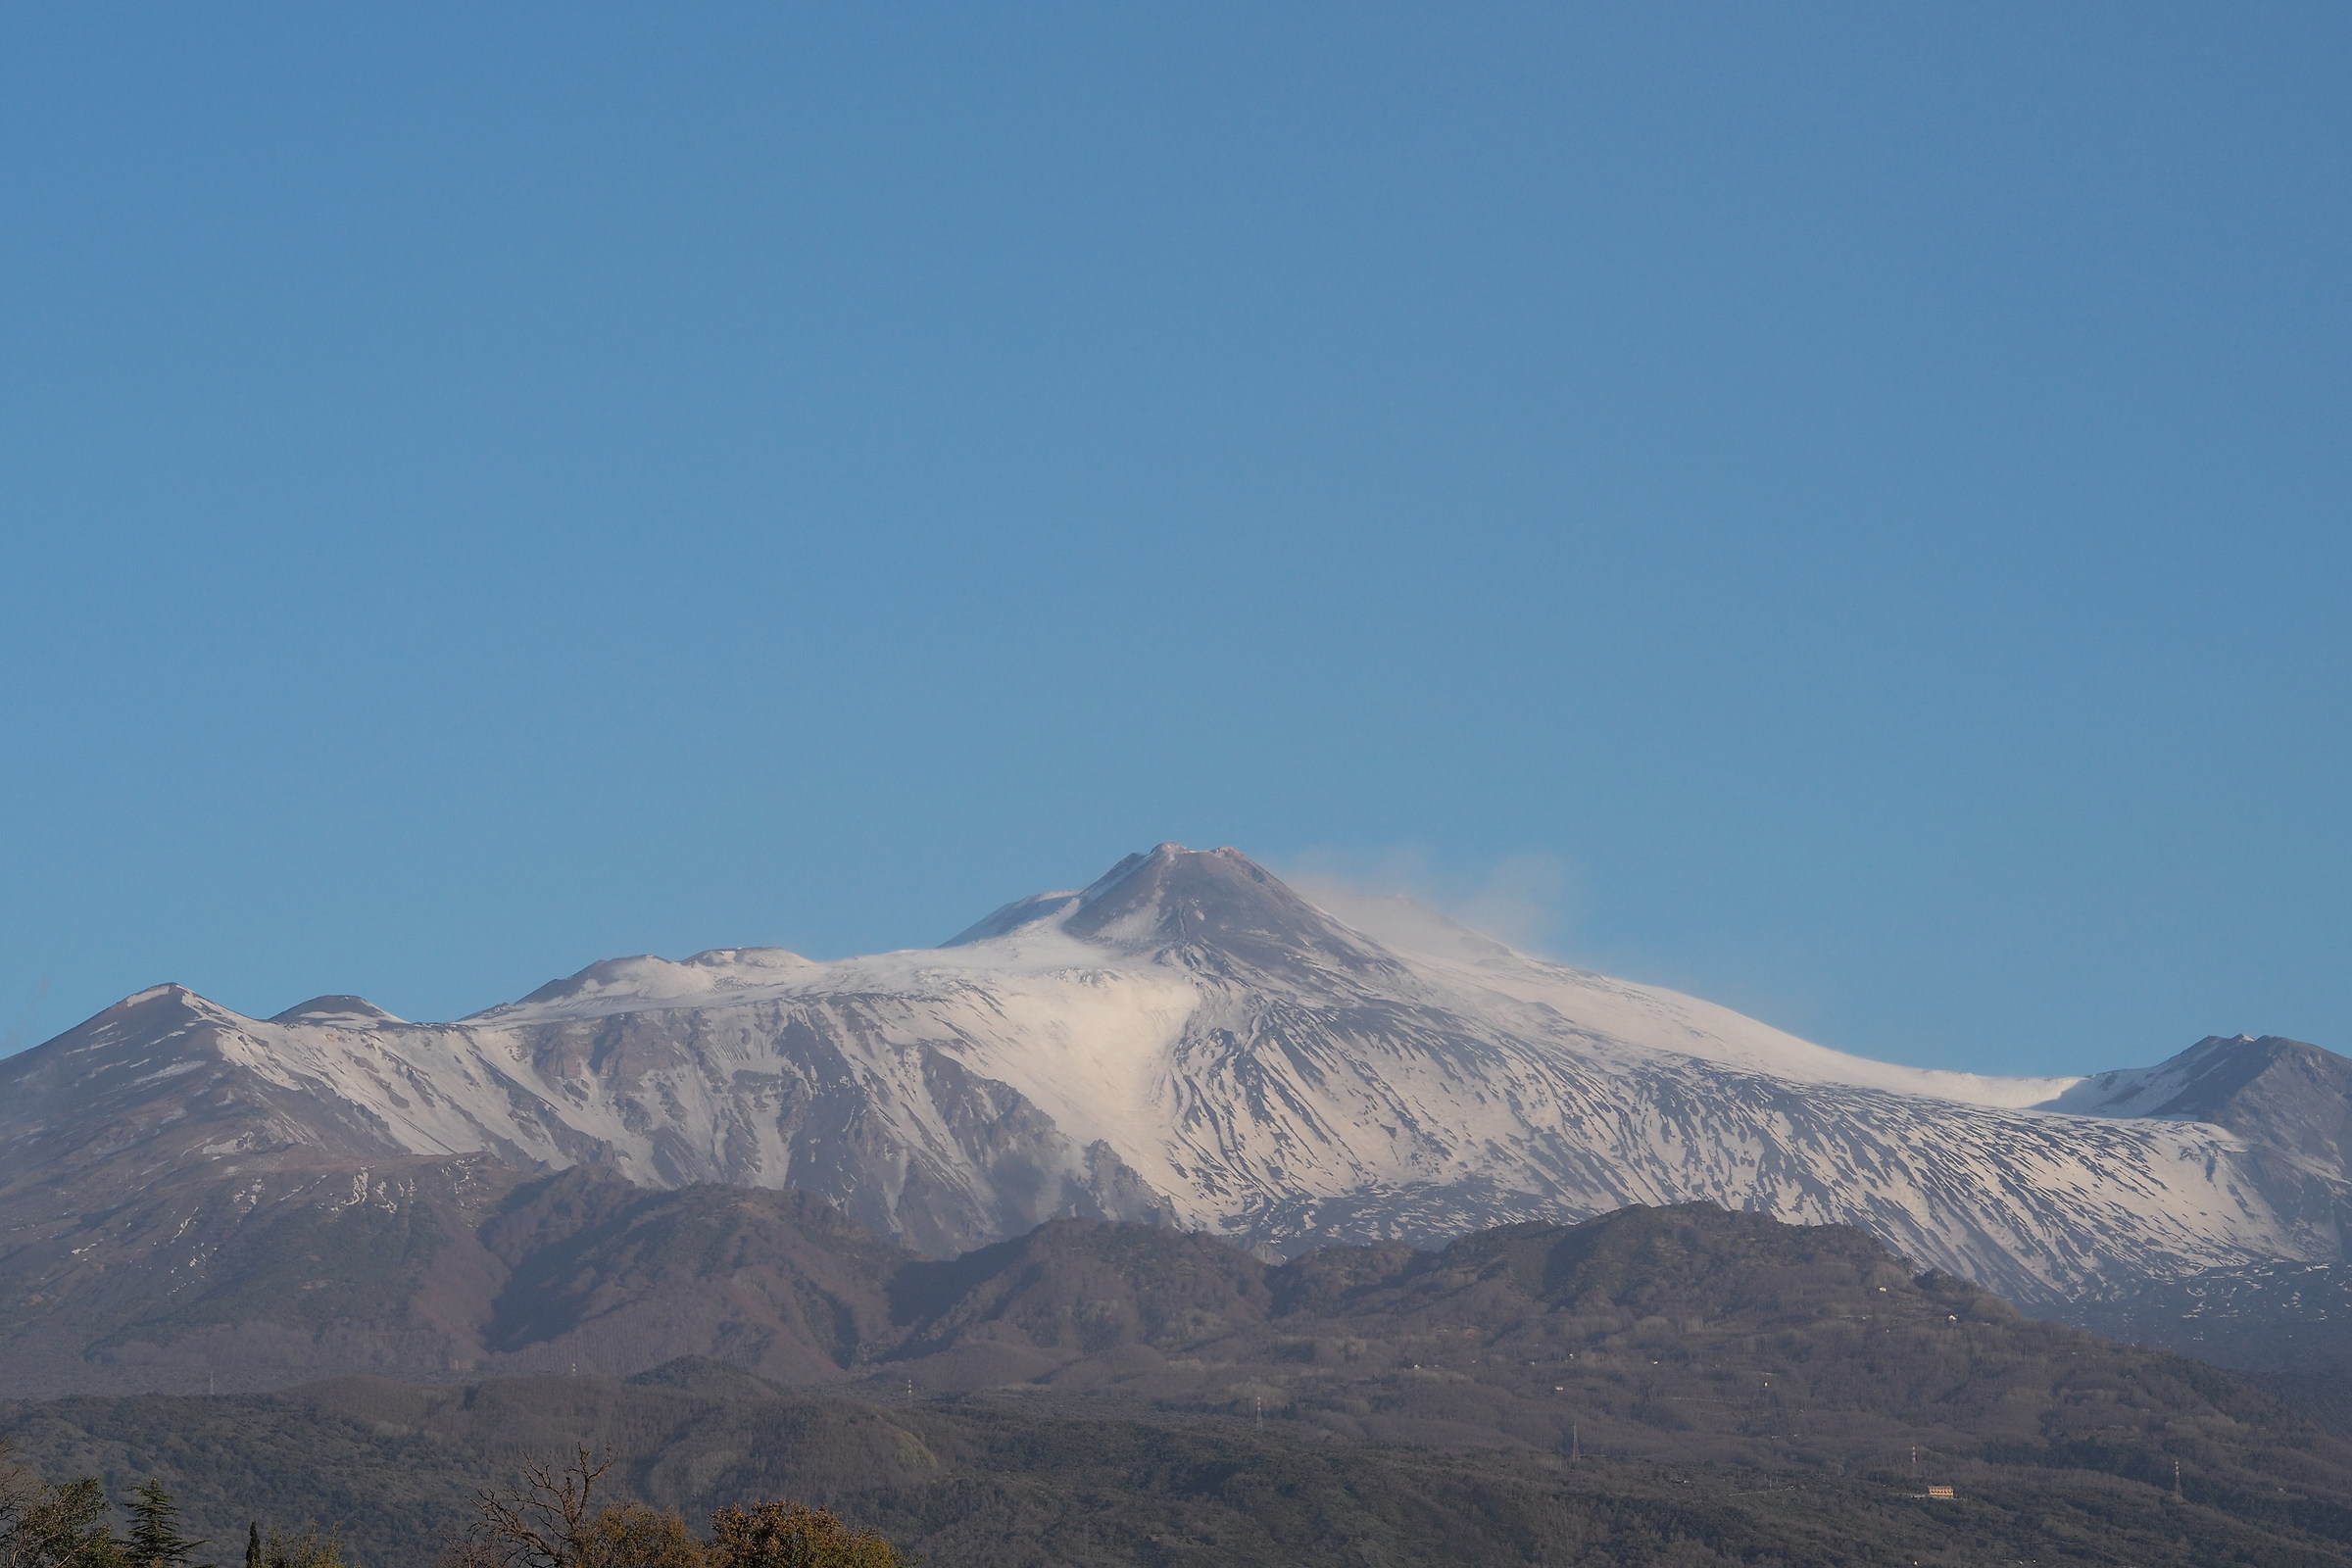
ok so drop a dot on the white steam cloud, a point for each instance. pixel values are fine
(1524, 901)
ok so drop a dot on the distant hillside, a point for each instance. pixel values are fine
(1676, 1386)
(2275, 1317)
(982, 1485)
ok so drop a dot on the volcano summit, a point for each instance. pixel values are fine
(1190, 1042)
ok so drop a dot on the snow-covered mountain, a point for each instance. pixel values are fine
(1190, 1041)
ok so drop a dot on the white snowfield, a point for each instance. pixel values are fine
(1190, 1042)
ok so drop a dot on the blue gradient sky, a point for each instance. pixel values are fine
(1841, 509)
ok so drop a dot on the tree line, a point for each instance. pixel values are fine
(548, 1518)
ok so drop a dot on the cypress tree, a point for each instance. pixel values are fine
(155, 1540)
(252, 1544)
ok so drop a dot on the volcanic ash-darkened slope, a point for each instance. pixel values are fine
(2283, 1095)
(436, 1268)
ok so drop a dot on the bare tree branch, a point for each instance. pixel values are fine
(541, 1522)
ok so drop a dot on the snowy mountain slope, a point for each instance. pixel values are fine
(2281, 1093)
(1187, 1040)
(2292, 1319)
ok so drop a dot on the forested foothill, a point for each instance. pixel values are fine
(1681, 1386)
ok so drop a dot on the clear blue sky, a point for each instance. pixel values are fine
(1855, 496)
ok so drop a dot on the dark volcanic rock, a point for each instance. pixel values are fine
(2283, 1094)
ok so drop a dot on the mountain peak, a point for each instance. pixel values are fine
(1214, 904)
(1207, 907)
(337, 1012)
(642, 979)
(2288, 1093)
(145, 1011)
(2207, 1077)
